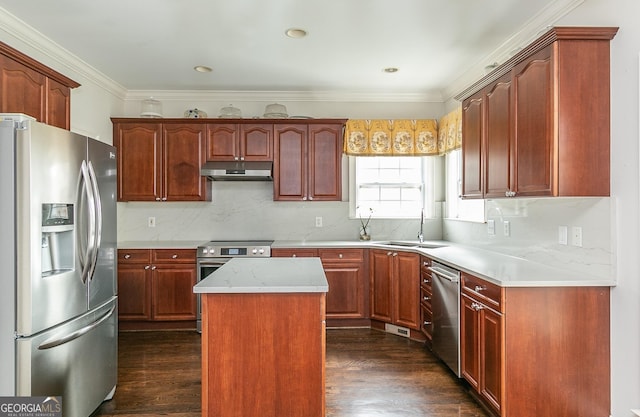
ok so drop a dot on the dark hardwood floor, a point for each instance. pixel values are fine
(368, 373)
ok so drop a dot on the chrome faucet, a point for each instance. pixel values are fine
(420, 234)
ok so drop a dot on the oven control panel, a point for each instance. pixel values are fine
(235, 249)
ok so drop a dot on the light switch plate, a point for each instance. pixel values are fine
(491, 227)
(562, 235)
(506, 226)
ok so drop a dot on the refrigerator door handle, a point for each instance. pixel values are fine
(97, 225)
(78, 333)
(87, 257)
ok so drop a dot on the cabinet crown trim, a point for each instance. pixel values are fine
(559, 33)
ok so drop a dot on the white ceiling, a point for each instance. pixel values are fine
(154, 44)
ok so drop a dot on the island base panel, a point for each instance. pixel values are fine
(263, 355)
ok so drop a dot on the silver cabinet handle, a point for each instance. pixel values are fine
(425, 298)
(395, 253)
(294, 255)
(157, 198)
(480, 288)
(476, 306)
(174, 256)
(427, 323)
(340, 256)
(147, 267)
(127, 256)
(389, 253)
(426, 281)
(153, 268)
(425, 264)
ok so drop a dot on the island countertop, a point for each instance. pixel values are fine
(266, 275)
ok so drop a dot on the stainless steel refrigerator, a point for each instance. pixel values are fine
(58, 291)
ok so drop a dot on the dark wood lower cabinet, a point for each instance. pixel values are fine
(155, 288)
(541, 351)
(346, 272)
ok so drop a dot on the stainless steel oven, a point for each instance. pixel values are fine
(213, 255)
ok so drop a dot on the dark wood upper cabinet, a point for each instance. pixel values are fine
(239, 142)
(160, 162)
(29, 87)
(539, 125)
(472, 128)
(307, 161)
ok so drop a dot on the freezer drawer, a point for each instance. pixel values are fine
(76, 360)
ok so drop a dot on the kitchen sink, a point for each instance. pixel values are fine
(413, 244)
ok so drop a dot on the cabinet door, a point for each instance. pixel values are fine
(290, 163)
(139, 161)
(491, 357)
(22, 90)
(470, 341)
(58, 104)
(325, 162)
(533, 87)
(407, 290)
(134, 291)
(345, 298)
(498, 144)
(184, 154)
(172, 292)
(472, 129)
(381, 288)
(222, 142)
(256, 142)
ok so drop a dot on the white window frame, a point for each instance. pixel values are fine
(428, 190)
(457, 208)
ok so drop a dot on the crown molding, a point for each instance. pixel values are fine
(536, 26)
(283, 96)
(66, 62)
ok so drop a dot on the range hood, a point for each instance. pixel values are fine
(238, 171)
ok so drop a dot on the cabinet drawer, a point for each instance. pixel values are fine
(174, 255)
(425, 263)
(483, 290)
(425, 296)
(134, 256)
(294, 253)
(337, 255)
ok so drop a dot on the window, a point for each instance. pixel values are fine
(456, 207)
(392, 187)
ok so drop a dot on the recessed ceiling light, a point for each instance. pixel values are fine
(390, 70)
(202, 68)
(296, 33)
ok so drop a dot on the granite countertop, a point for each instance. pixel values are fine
(266, 275)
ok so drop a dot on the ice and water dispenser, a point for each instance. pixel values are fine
(57, 238)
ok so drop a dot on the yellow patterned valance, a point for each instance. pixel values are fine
(450, 131)
(391, 137)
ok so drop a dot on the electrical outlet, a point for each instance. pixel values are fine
(491, 227)
(151, 222)
(576, 236)
(506, 226)
(318, 221)
(562, 235)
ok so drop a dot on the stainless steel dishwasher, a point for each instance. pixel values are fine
(446, 314)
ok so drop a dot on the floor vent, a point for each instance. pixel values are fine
(400, 331)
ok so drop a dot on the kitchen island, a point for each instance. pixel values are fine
(263, 338)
